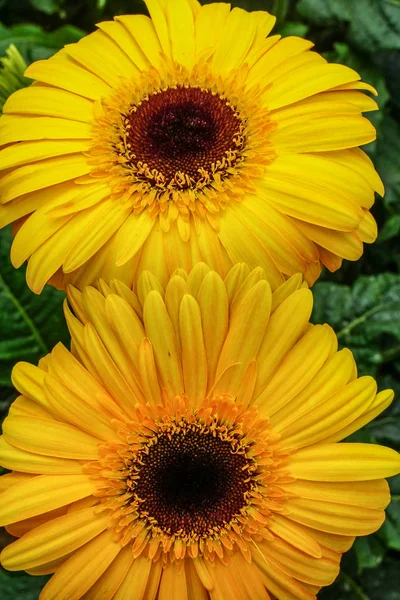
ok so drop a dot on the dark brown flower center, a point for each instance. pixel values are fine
(191, 481)
(181, 135)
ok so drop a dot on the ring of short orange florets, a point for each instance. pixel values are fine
(229, 178)
(120, 467)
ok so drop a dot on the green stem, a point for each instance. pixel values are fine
(390, 354)
(360, 320)
(280, 9)
(354, 586)
(25, 316)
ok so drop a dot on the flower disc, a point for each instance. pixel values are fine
(188, 446)
(156, 143)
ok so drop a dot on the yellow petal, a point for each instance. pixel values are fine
(247, 328)
(121, 36)
(109, 583)
(37, 176)
(49, 102)
(367, 494)
(242, 245)
(163, 338)
(304, 82)
(135, 581)
(345, 244)
(236, 40)
(41, 494)
(194, 363)
(288, 531)
(14, 458)
(209, 25)
(321, 131)
(142, 30)
(17, 128)
(67, 75)
(280, 337)
(83, 569)
(72, 409)
(378, 405)
(148, 372)
(297, 369)
(26, 152)
(50, 438)
(344, 462)
(330, 415)
(275, 56)
(54, 539)
(335, 518)
(332, 377)
(181, 31)
(213, 300)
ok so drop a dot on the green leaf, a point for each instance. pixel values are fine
(293, 28)
(366, 316)
(383, 583)
(20, 586)
(375, 25)
(369, 552)
(326, 12)
(34, 43)
(49, 7)
(30, 325)
(387, 161)
(390, 530)
(390, 229)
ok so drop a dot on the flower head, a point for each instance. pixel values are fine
(189, 443)
(156, 143)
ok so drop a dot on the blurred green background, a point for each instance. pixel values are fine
(361, 301)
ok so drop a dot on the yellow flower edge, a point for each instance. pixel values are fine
(157, 143)
(188, 445)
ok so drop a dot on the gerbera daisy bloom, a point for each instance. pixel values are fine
(187, 448)
(156, 143)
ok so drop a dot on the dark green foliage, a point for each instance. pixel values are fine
(30, 325)
(361, 301)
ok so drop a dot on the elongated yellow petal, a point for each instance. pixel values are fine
(335, 518)
(213, 299)
(135, 580)
(368, 494)
(297, 369)
(83, 569)
(287, 530)
(50, 438)
(194, 362)
(331, 378)
(344, 462)
(16, 459)
(331, 415)
(54, 539)
(68, 76)
(163, 338)
(41, 494)
(49, 102)
(110, 582)
(280, 339)
(247, 329)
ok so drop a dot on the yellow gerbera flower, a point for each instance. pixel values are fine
(187, 449)
(156, 143)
